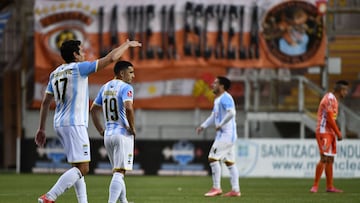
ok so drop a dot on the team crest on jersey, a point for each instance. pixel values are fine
(129, 93)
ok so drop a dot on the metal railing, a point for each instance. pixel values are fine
(348, 120)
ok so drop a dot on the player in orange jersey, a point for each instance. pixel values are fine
(326, 133)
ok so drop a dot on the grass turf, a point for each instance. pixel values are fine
(25, 188)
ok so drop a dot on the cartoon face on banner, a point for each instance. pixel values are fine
(59, 22)
(293, 31)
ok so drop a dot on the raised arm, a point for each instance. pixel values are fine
(116, 53)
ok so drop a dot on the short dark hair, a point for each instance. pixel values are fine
(224, 81)
(68, 48)
(121, 65)
(340, 84)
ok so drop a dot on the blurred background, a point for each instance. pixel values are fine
(281, 57)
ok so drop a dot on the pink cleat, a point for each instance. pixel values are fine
(213, 192)
(334, 190)
(314, 189)
(44, 199)
(232, 194)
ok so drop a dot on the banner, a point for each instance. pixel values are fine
(166, 157)
(293, 158)
(196, 37)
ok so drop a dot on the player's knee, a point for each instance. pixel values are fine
(83, 168)
(323, 159)
(228, 163)
(119, 171)
(212, 160)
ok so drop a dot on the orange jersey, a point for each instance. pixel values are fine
(327, 114)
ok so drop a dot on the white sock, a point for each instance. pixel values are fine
(123, 192)
(116, 187)
(216, 174)
(65, 181)
(234, 178)
(80, 190)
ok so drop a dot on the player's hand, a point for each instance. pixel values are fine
(133, 43)
(339, 138)
(217, 128)
(131, 131)
(199, 129)
(40, 138)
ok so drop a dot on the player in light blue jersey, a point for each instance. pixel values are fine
(223, 117)
(68, 85)
(115, 100)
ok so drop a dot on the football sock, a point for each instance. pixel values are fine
(319, 170)
(116, 187)
(329, 175)
(65, 181)
(123, 192)
(216, 174)
(80, 190)
(234, 178)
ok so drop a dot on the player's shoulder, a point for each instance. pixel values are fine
(226, 95)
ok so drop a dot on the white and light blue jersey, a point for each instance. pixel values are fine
(111, 97)
(228, 131)
(69, 85)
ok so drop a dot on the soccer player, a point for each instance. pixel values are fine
(326, 133)
(222, 149)
(68, 84)
(115, 100)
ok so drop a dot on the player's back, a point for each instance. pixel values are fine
(71, 95)
(114, 94)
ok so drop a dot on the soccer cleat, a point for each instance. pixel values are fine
(232, 193)
(44, 199)
(213, 192)
(314, 189)
(334, 190)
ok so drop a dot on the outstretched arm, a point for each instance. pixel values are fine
(40, 137)
(116, 53)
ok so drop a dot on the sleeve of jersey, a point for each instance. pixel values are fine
(49, 88)
(227, 103)
(98, 98)
(332, 123)
(87, 67)
(210, 120)
(127, 93)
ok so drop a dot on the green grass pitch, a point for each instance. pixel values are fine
(25, 188)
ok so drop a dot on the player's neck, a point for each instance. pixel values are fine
(337, 95)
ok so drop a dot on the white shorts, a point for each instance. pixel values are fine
(75, 141)
(222, 151)
(120, 150)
